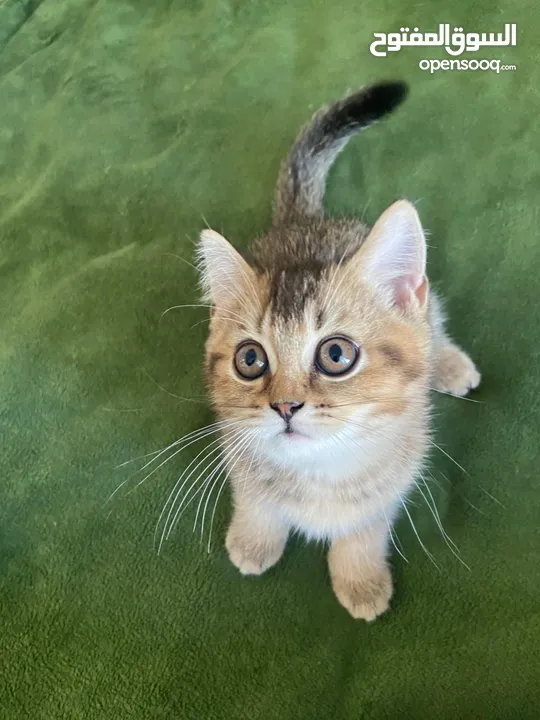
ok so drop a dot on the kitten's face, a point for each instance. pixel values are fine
(318, 361)
(322, 382)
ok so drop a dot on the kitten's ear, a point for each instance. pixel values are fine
(394, 256)
(222, 268)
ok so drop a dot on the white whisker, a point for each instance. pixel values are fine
(220, 463)
(143, 457)
(434, 511)
(178, 257)
(195, 439)
(168, 392)
(493, 498)
(207, 483)
(188, 498)
(221, 489)
(424, 548)
(174, 491)
(449, 457)
(199, 305)
(208, 319)
(458, 397)
(158, 453)
(392, 533)
(205, 486)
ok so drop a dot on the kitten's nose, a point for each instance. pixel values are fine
(286, 409)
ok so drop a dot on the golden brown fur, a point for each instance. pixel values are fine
(340, 469)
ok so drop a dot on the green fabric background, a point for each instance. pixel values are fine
(122, 123)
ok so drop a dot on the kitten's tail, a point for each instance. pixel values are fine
(301, 182)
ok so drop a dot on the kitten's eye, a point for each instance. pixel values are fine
(250, 360)
(336, 355)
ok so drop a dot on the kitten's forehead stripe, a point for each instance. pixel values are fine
(300, 260)
(291, 289)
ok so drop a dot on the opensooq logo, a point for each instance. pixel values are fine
(454, 44)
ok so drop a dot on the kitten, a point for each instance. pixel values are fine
(324, 343)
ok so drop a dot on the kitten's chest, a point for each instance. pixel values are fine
(322, 510)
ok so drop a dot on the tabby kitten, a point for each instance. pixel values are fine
(324, 343)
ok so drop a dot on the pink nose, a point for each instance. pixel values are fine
(286, 409)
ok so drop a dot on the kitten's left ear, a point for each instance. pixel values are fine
(222, 268)
(393, 257)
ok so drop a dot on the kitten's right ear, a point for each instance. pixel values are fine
(222, 268)
(393, 257)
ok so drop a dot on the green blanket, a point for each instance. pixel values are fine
(125, 127)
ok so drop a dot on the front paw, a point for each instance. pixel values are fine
(365, 597)
(455, 372)
(251, 556)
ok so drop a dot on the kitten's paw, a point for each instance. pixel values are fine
(455, 372)
(365, 597)
(250, 556)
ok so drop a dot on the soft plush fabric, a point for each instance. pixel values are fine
(125, 127)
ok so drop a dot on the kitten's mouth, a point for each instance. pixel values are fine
(292, 434)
